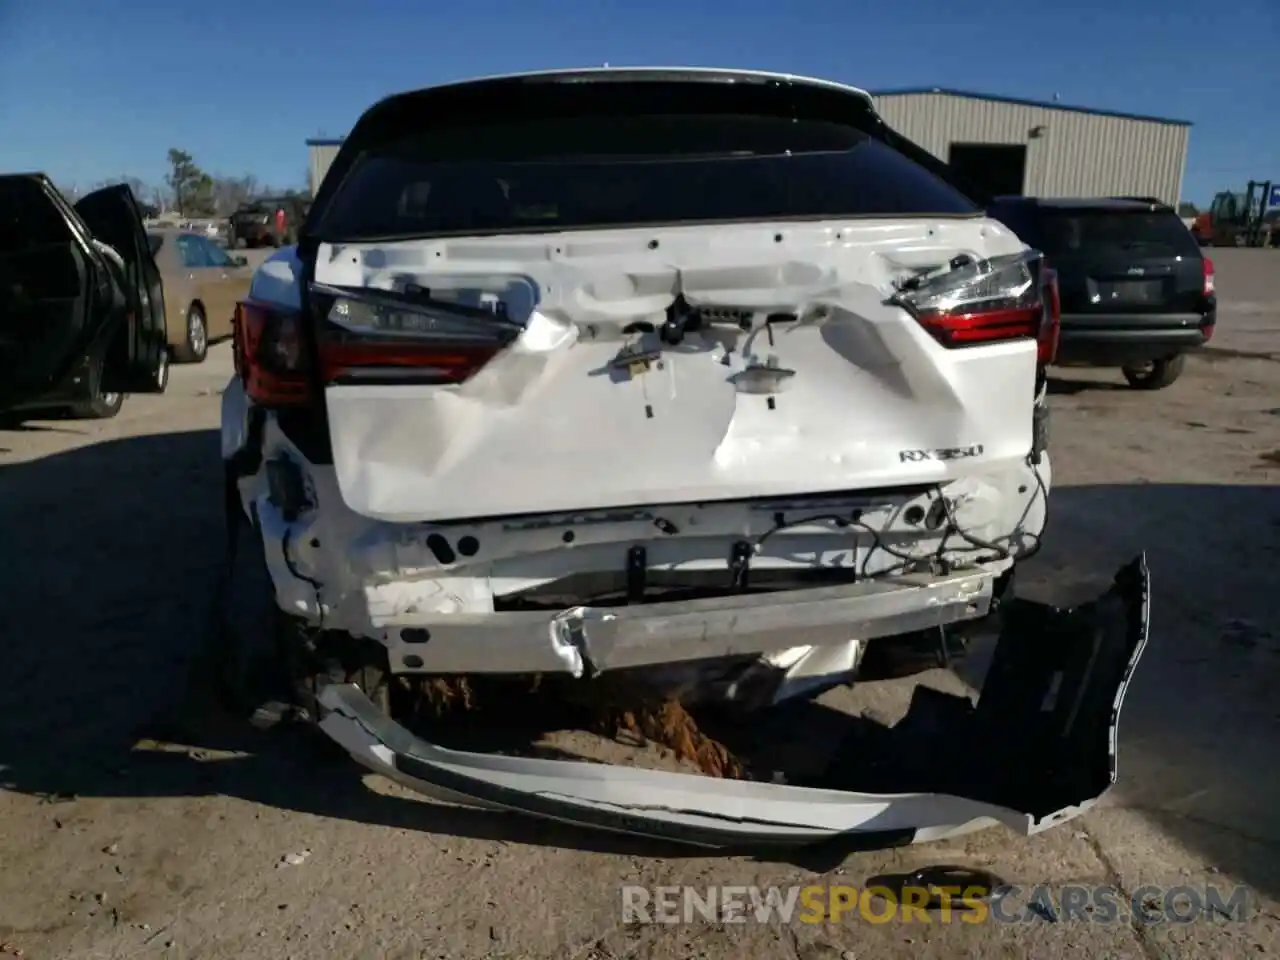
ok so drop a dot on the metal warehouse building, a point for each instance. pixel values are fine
(322, 152)
(1006, 146)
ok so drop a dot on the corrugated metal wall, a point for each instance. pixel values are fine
(322, 155)
(1079, 154)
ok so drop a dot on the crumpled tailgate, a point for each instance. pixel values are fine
(1038, 748)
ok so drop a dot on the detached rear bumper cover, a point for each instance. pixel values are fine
(1038, 748)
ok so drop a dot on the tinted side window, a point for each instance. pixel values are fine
(598, 172)
(190, 252)
(214, 255)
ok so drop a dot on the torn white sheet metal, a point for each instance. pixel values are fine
(1037, 749)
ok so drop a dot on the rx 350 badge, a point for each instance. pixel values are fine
(940, 453)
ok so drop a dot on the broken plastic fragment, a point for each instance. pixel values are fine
(569, 639)
(293, 859)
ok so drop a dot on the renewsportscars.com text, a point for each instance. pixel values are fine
(1009, 904)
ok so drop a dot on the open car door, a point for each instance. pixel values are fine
(63, 301)
(51, 284)
(137, 359)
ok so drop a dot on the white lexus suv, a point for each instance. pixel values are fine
(704, 374)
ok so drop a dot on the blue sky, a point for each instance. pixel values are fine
(91, 90)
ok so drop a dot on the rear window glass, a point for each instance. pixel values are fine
(1159, 234)
(598, 172)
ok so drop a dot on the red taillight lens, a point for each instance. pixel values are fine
(1051, 323)
(952, 329)
(269, 355)
(971, 302)
(435, 363)
(1208, 277)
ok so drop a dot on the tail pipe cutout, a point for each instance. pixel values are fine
(1036, 748)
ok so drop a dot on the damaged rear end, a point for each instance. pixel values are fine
(703, 376)
(1036, 749)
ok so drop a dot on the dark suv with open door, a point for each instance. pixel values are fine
(1136, 291)
(81, 302)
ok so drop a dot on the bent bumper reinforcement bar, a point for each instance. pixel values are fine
(1039, 747)
(594, 639)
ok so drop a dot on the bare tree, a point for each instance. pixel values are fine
(230, 192)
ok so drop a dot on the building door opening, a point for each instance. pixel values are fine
(989, 169)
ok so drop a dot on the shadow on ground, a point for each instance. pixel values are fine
(113, 553)
(1065, 386)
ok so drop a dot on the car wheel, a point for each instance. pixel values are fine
(102, 407)
(240, 656)
(1155, 375)
(195, 345)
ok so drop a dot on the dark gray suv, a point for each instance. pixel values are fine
(1136, 290)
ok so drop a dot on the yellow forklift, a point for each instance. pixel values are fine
(1240, 219)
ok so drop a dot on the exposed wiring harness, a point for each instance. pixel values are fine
(953, 527)
(1044, 493)
(907, 560)
(853, 519)
(841, 520)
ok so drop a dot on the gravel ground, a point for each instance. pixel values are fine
(124, 837)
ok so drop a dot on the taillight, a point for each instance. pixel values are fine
(381, 336)
(366, 337)
(269, 355)
(1051, 324)
(1208, 277)
(970, 302)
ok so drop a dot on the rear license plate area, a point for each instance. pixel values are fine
(1128, 292)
